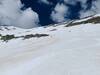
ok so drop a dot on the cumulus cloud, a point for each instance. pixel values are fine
(86, 13)
(95, 9)
(28, 19)
(96, 6)
(73, 2)
(83, 12)
(11, 14)
(61, 10)
(59, 13)
(89, 7)
(45, 1)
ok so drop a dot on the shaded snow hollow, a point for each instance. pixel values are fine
(66, 51)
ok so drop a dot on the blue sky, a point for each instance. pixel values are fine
(44, 10)
(33, 13)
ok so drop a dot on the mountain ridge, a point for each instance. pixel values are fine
(72, 50)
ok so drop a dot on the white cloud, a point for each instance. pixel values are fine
(58, 15)
(84, 13)
(96, 6)
(45, 1)
(95, 9)
(28, 19)
(61, 10)
(11, 14)
(74, 1)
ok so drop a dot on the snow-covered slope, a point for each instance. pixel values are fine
(71, 50)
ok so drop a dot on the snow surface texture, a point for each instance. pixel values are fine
(66, 51)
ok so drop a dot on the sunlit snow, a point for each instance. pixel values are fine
(66, 51)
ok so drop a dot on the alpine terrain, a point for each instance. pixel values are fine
(69, 48)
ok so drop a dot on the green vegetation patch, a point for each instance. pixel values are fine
(6, 38)
(35, 35)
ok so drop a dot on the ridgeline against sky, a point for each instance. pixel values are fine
(31, 13)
